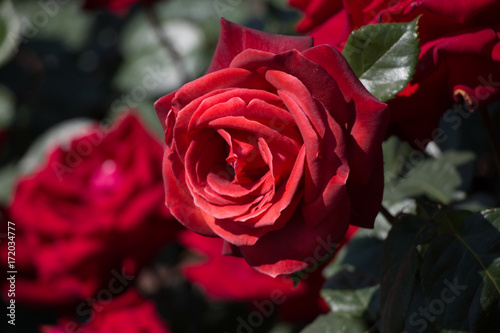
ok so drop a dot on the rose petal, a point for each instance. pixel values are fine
(327, 168)
(179, 201)
(234, 39)
(372, 116)
(321, 85)
(274, 254)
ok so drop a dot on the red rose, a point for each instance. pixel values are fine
(459, 58)
(129, 313)
(94, 213)
(276, 150)
(115, 5)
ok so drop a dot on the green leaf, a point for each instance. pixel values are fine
(332, 323)
(396, 154)
(437, 179)
(442, 276)
(399, 268)
(491, 279)
(384, 56)
(352, 288)
(362, 253)
(349, 294)
(461, 272)
(10, 28)
(477, 202)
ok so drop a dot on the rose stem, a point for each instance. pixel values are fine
(166, 43)
(388, 216)
(490, 130)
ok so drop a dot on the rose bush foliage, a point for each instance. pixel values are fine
(276, 150)
(82, 218)
(459, 59)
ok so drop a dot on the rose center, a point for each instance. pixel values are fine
(246, 161)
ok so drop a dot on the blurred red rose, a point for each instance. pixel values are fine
(276, 150)
(129, 313)
(459, 58)
(315, 12)
(231, 279)
(90, 217)
(227, 277)
(115, 5)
